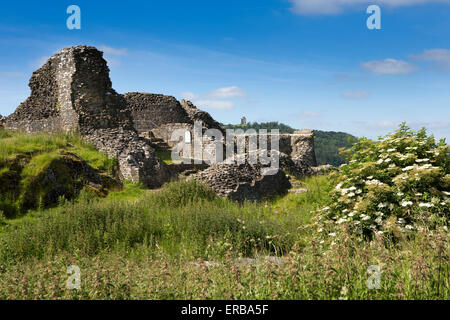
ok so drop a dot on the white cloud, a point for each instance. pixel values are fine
(309, 114)
(112, 62)
(215, 104)
(228, 92)
(113, 51)
(389, 66)
(356, 95)
(217, 99)
(441, 57)
(189, 95)
(332, 7)
(39, 62)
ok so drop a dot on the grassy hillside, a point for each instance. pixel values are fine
(263, 125)
(327, 145)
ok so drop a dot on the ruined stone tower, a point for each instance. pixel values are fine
(72, 92)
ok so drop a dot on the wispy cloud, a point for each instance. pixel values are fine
(356, 95)
(220, 98)
(39, 62)
(308, 114)
(113, 51)
(389, 66)
(228, 92)
(440, 57)
(189, 95)
(215, 104)
(333, 7)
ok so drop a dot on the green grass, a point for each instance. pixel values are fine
(15, 143)
(159, 244)
(23, 157)
(139, 244)
(165, 156)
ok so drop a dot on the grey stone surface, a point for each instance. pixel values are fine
(243, 182)
(72, 92)
(150, 111)
(196, 114)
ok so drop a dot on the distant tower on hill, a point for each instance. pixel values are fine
(243, 121)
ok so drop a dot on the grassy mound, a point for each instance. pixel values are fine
(36, 169)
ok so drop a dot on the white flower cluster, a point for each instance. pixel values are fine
(405, 175)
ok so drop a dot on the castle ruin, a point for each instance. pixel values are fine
(72, 92)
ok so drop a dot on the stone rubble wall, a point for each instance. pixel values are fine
(163, 115)
(299, 145)
(150, 111)
(243, 182)
(302, 142)
(72, 92)
(196, 114)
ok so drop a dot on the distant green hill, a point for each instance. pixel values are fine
(263, 125)
(327, 143)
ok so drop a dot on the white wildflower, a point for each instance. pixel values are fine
(426, 205)
(406, 203)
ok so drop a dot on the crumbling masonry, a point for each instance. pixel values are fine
(72, 92)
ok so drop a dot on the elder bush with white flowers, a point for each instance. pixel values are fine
(400, 182)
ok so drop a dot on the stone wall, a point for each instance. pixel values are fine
(302, 142)
(196, 114)
(163, 115)
(150, 111)
(299, 145)
(243, 182)
(73, 92)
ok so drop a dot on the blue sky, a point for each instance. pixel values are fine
(308, 63)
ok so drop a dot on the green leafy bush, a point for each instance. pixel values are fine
(398, 183)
